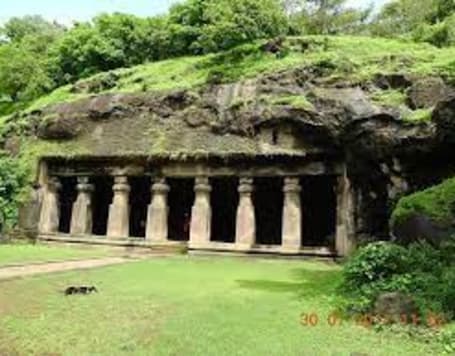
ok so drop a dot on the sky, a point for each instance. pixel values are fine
(67, 11)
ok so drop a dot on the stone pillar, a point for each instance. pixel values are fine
(345, 230)
(201, 214)
(292, 216)
(50, 210)
(158, 211)
(119, 211)
(81, 219)
(245, 232)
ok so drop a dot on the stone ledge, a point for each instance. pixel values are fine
(209, 247)
(102, 240)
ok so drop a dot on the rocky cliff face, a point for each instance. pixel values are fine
(389, 150)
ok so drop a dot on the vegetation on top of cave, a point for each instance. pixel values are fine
(341, 58)
(37, 56)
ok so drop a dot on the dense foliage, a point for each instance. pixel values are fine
(431, 21)
(425, 273)
(12, 179)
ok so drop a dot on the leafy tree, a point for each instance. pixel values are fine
(423, 20)
(18, 28)
(22, 75)
(108, 42)
(324, 17)
(201, 26)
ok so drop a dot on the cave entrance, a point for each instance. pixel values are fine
(224, 201)
(102, 198)
(140, 197)
(180, 201)
(319, 205)
(268, 205)
(67, 197)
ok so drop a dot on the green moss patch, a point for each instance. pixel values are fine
(420, 115)
(437, 202)
(390, 98)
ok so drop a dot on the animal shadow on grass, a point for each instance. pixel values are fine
(304, 284)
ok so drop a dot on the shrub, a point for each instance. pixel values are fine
(375, 262)
(12, 180)
(421, 271)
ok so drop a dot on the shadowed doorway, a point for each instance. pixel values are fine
(180, 202)
(268, 205)
(140, 197)
(102, 198)
(224, 201)
(318, 210)
(67, 197)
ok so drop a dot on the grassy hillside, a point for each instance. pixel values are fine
(340, 58)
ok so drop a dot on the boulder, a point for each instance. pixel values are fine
(394, 305)
(59, 128)
(420, 227)
(426, 93)
(444, 118)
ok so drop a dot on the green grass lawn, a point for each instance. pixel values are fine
(19, 254)
(188, 306)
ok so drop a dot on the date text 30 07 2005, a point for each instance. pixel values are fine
(334, 319)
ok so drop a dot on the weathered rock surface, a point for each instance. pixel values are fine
(421, 227)
(394, 306)
(386, 155)
(426, 93)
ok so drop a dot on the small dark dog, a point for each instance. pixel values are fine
(80, 290)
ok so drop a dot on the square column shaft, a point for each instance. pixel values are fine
(81, 219)
(201, 215)
(292, 216)
(245, 233)
(50, 210)
(345, 230)
(158, 211)
(119, 210)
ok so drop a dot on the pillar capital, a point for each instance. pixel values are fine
(54, 185)
(292, 185)
(121, 184)
(160, 186)
(202, 185)
(246, 186)
(84, 185)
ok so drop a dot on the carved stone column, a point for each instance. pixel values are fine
(245, 232)
(81, 219)
(292, 216)
(50, 210)
(345, 230)
(201, 214)
(119, 210)
(158, 211)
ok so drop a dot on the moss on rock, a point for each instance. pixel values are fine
(436, 203)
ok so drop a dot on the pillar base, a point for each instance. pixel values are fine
(243, 247)
(289, 250)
